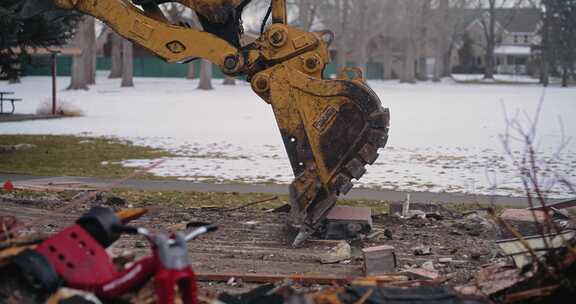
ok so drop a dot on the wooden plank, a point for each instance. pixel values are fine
(559, 205)
(306, 279)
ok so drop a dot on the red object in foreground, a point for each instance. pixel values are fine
(8, 186)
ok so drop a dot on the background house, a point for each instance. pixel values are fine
(516, 40)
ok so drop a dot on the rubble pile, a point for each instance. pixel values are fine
(416, 253)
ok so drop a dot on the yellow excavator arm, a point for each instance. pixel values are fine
(331, 129)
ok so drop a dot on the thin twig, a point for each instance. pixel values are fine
(252, 204)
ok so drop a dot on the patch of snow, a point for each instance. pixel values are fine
(444, 136)
(520, 79)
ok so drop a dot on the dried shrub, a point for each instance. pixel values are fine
(63, 108)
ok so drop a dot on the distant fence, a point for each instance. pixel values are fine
(155, 67)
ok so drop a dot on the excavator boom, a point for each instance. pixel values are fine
(331, 128)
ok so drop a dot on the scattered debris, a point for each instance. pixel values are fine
(428, 265)
(523, 215)
(7, 225)
(445, 260)
(477, 224)
(450, 249)
(345, 222)
(406, 206)
(537, 244)
(422, 250)
(68, 295)
(558, 205)
(252, 204)
(421, 274)
(374, 294)
(430, 210)
(110, 200)
(388, 234)
(234, 282)
(379, 260)
(341, 252)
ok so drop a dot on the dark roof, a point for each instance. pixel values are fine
(524, 20)
(519, 20)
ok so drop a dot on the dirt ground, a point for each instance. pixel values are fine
(255, 241)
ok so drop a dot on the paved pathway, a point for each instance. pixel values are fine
(186, 186)
(25, 117)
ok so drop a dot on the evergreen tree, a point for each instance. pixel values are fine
(562, 23)
(29, 23)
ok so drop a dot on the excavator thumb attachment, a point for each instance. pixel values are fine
(331, 130)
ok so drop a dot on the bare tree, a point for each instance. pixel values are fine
(450, 20)
(441, 30)
(205, 75)
(229, 81)
(127, 64)
(411, 11)
(191, 70)
(116, 56)
(179, 14)
(91, 49)
(493, 28)
(489, 27)
(307, 13)
(82, 63)
(423, 30)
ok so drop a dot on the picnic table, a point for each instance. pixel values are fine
(10, 100)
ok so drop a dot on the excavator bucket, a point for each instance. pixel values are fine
(331, 130)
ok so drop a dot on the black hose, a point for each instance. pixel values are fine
(268, 13)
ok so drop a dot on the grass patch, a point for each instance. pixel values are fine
(199, 199)
(175, 199)
(72, 156)
(226, 200)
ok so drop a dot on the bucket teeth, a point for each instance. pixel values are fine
(380, 120)
(342, 184)
(356, 168)
(378, 137)
(369, 153)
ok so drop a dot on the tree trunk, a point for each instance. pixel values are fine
(565, 77)
(388, 63)
(303, 14)
(545, 45)
(340, 55)
(442, 66)
(438, 65)
(191, 72)
(422, 69)
(490, 42)
(116, 56)
(229, 81)
(341, 49)
(447, 67)
(205, 75)
(127, 64)
(489, 58)
(81, 63)
(408, 65)
(91, 47)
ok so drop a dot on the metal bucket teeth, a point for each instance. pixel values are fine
(380, 120)
(369, 153)
(378, 137)
(356, 168)
(342, 184)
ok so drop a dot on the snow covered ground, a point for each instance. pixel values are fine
(444, 137)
